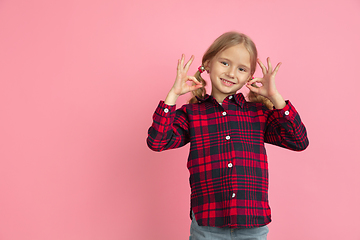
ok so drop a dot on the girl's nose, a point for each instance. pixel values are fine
(231, 72)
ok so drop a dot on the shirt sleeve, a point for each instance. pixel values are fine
(284, 128)
(169, 128)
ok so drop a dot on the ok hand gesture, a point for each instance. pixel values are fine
(268, 87)
(181, 85)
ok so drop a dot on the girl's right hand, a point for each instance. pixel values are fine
(181, 85)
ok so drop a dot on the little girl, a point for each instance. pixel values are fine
(227, 134)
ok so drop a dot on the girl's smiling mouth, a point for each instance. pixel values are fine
(226, 82)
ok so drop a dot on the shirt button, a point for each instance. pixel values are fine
(224, 113)
(230, 97)
(233, 195)
(227, 137)
(287, 113)
(166, 110)
(230, 165)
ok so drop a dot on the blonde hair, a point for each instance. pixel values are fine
(225, 41)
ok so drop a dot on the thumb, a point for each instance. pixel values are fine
(195, 87)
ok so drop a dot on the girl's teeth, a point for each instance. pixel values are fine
(227, 82)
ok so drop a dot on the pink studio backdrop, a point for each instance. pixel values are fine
(80, 81)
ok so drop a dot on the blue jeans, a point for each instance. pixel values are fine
(213, 233)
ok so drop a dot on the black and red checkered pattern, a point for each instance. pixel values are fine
(227, 160)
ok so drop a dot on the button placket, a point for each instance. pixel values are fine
(229, 164)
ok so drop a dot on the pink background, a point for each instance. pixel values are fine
(80, 81)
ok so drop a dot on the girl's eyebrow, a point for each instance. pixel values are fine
(241, 65)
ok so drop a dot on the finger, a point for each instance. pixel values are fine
(182, 59)
(193, 79)
(253, 89)
(178, 66)
(255, 80)
(262, 66)
(269, 65)
(195, 87)
(179, 62)
(277, 68)
(187, 65)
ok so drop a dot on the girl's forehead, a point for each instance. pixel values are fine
(237, 53)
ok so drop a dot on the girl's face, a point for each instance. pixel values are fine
(229, 70)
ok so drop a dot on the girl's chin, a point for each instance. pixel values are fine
(229, 90)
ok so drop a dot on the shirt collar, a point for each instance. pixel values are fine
(206, 97)
(239, 99)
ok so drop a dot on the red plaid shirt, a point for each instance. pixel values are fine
(227, 160)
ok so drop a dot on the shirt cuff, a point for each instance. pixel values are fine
(165, 110)
(288, 112)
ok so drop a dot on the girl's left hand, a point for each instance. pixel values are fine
(268, 87)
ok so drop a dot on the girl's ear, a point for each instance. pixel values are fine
(207, 66)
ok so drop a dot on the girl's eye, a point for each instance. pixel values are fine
(242, 70)
(225, 63)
